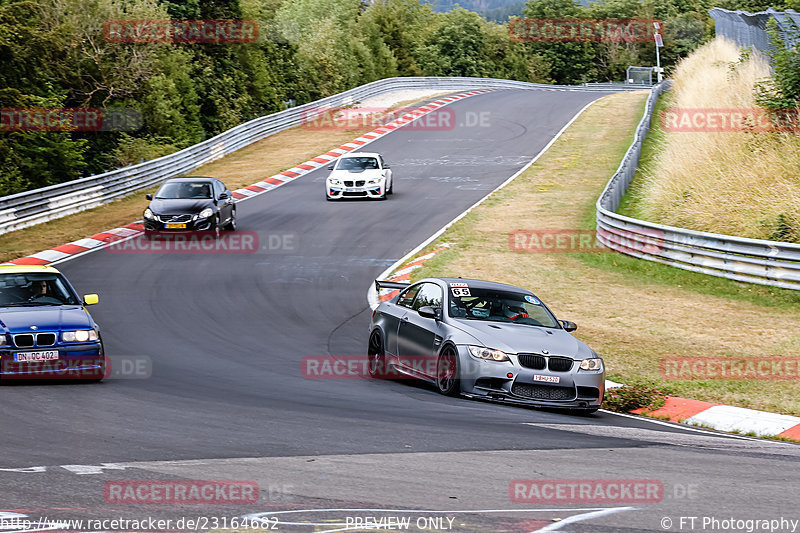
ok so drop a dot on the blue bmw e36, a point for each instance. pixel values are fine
(45, 329)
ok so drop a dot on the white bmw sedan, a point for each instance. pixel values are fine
(359, 175)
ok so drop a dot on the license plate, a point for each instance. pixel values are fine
(546, 379)
(31, 357)
(176, 226)
(353, 189)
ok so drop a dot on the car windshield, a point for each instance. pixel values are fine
(184, 190)
(357, 163)
(33, 289)
(492, 305)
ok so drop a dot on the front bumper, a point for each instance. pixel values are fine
(366, 191)
(490, 380)
(75, 361)
(156, 226)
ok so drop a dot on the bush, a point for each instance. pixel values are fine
(642, 395)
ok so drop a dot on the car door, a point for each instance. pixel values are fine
(395, 313)
(418, 337)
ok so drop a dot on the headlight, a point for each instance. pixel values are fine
(205, 213)
(334, 181)
(149, 214)
(374, 181)
(81, 335)
(481, 352)
(2, 340)
(594, 363)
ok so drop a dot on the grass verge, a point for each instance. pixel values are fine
(634, 313)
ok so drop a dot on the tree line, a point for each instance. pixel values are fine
(54, 54)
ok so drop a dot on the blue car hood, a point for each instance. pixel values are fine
(45, 318)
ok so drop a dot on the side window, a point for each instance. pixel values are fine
(408, 297)
(430, 294)
(380, 160)
(219, 188)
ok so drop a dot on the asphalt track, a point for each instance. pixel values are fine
(226, 398)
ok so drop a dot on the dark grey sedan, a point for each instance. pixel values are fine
(485, 340)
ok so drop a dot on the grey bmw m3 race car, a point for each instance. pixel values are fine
(483, 339)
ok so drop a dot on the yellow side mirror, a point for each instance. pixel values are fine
(90, 299)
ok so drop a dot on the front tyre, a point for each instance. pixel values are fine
(447, 371)
(231, 226)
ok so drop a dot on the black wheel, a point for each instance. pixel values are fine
(447, 372)
(390, 190)
(231, 226)
(377, 359)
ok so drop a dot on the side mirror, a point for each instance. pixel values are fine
(90, 299)
(426, 311)
(148, 196)
(568, 326)
(386, 166)
(223, 196)
(330, 167)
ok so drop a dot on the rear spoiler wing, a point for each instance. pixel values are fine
(380, 284)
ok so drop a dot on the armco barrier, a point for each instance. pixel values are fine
(33, 207)
(737, 258)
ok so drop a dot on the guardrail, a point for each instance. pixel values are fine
(40, 205)
(737, 258)
(750, 29)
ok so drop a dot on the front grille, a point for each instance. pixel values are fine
(543, 392)
(529, 360)
(559, 364)
(23, 340)
(175, 219)
(360, 194)
(359, 183)
(45, 339)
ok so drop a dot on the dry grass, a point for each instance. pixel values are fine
(239, 169)
(736, 183)
(632, 323)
